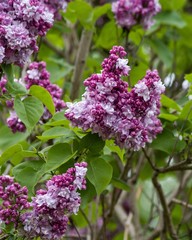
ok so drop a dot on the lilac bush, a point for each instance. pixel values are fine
(131, 12)
(134, 189)
(109, 109)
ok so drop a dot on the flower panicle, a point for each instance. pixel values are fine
(109, 109)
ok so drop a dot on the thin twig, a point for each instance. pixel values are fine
(185, 204)
(149, 160)
(88, 222)
(164, 204)
(127, 226)
(76, 230)
(183, 165)
(102, 197)
(7, 169)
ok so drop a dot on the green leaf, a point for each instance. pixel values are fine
(169, 103)
(136, 36)
(9, 153)
(138, 72)
(114, 148)
(29, 173)
(162, 51)
(108, 35)
(92, 142)
(29, 110)
(15, 88)
(118, 183)
(82, 11)
(88, 194)
(100, 10)
(58, 155)
(99, 174)
(57, 132)
(186, 112)
(58, 68)
(173, 4)
(7, 138)
(188, 77)
(168, 143)
(170, 18)
(8, 70)
(169, 117)
(18, 157)
(44, 96)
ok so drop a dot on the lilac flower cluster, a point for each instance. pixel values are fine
(107, 108)
(56, 5)
(37, 74)
(51, 207)
(131, 12)
(13, 200)
(14, 123)
(21, 22)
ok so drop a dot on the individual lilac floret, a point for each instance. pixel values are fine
(107, 108)
(131, 12)
(14, 123)
(2, 53)
(3, 82)
(37, 74)
(13, 200)
(52, 207)
(56, 5)
(21, 22)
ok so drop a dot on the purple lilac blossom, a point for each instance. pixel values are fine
(13, 200)
(21, 22)
(14, 123)
(56, 5)
(107, 108)
(131, 12)
(51, 207)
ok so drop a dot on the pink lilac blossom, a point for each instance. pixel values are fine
(131, 12)
(13, 200)
(56, 5)
(51, 207)
(21, 22)
(107, 108)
